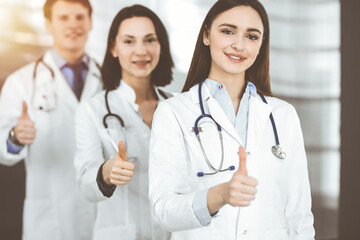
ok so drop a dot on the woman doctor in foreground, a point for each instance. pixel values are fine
(113, 128)
(227, 159)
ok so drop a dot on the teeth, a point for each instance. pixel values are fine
(141, 62)
(233, 57)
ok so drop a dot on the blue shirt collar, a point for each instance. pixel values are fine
(216, 88)
(61, 62)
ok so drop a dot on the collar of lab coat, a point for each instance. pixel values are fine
(128, 94)
(64, 90)
(258, 115)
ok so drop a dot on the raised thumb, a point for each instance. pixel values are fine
(24, 110)
(122, 151)
(242, 164)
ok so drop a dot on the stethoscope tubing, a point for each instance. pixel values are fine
(276, 149)
(272, 122)
(196, 130)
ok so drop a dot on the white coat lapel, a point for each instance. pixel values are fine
(258, 117)
(220, 117)
(211, 106)
(63, 90)
(92, 82)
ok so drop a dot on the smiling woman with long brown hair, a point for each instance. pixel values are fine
(227, 158)
(113, 128)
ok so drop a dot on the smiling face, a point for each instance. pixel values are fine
(234, 38)
(69, 25)
(137, 48)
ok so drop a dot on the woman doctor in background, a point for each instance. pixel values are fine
(113, 128)
(224, 175)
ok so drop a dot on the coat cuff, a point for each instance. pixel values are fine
(200, 208)
(13, 147)
(106, 190)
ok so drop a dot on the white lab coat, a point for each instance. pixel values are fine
(126, 214)
(54, 207)
(282, 206)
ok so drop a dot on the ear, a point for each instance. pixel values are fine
(206, 39)
(113, 50)
(48, 25)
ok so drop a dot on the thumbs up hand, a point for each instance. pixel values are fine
(25, 131)
(118, 170)
(240, 191)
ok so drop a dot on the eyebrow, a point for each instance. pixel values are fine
(147, 35)
(235, 27)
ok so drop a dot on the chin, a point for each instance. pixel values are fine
(75, 47)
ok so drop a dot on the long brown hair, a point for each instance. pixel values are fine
(258, 73)
(111, 69)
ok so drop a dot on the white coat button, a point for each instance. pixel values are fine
(248, 153)
(245, 232)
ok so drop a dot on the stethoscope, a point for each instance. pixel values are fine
(119, 119)
(276, 149)
(48, 99)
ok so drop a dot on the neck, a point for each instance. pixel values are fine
(71, 56)
(142, 87)
(235, 84)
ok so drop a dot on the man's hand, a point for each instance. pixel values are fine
(25, 131)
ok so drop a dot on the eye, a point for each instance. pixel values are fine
(128, 41)
(151, 40)
(252, 37)
(227, 31)
(80, 17)
(63, 18)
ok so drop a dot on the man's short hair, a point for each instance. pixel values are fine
(49, 3)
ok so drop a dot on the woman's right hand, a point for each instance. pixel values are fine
(118, 170)
(239, 191)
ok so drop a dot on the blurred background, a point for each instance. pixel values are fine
(307, 69)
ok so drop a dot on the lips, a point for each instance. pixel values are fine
(235, 57)
(141, 62)
(74, 34)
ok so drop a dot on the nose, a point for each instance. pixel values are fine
(140, 49)
(238, 44)
(74, 22)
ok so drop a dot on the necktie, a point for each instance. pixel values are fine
(78, 81)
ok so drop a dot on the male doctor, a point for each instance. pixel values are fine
(37, 107)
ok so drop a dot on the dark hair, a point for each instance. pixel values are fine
(111, 69)
(49, 3)
(258, 73)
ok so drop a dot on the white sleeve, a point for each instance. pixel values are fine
(12, 94)
(298, 206)
(89, 153)
(169, 191)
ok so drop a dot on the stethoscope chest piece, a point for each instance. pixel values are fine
(278, 152)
